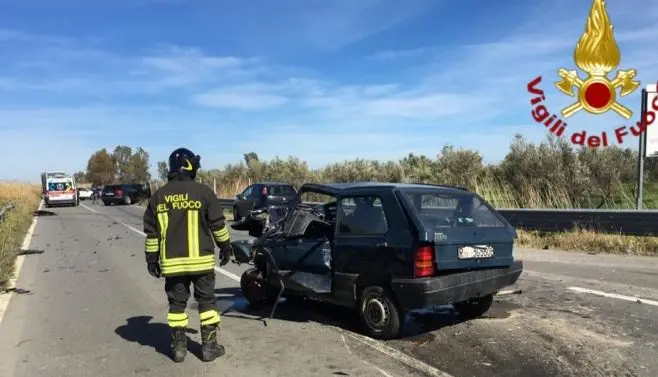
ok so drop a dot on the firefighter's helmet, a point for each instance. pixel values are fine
(184, 161)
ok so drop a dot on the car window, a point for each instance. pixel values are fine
(281, 190)
(288, 190)
(111, 188)
(362, 215)
(448, 210)
(247, 191)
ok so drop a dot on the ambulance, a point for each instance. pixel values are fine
(59, 188)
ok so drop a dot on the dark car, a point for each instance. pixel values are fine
(263, 195)
(383, 249)
(125, 193)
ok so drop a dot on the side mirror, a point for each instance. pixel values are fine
(238, 196)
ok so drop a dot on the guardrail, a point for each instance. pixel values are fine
(4, 210)
(611, 221)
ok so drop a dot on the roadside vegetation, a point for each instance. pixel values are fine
(551, 174)
(16, 223)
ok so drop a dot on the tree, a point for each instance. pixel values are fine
(137, 167)
(121, 157)
(163, 170)
(80, 177)
(101, 169)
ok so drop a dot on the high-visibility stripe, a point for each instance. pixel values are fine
(187, 261)
(163, 220)
(209, 317)
(193, 233)
(222, 234)
(151, 245)
(190, 268)
(177, 319)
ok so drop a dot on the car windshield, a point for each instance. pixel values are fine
(60, 185)
(440, 209)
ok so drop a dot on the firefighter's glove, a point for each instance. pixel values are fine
(154, 270)
(225, 254)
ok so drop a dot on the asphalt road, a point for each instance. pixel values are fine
(87, 307)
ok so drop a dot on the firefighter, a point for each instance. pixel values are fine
(183, 222)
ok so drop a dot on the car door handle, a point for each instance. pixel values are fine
(381, 244)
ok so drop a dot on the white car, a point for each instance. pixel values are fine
(84, 193)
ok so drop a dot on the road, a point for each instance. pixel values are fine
(87, 307)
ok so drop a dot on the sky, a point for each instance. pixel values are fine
(322, 80)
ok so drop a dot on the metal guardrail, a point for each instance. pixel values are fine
(611, 221)
(4, 210)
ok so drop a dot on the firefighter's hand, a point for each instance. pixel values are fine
(154, 270)
(225, 255)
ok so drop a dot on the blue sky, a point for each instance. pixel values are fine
(323, 80)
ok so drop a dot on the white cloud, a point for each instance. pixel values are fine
(240, 97)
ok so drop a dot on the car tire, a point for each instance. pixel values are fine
(255, 289)
(236, 216)
(127, 201)
(106, 203)
(475, 307)
(379, 314)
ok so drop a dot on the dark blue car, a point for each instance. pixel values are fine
(383, 249)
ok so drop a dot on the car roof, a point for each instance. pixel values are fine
(272, 183)
(342, 188)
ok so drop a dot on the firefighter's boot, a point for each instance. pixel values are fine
(210, 349)
(179, 344)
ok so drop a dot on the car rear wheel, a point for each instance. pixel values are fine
(255, 289)
(474, 307)
(106, 202)
(380, 316)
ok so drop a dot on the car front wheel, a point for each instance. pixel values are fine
(255, 289)
(474, 307)
(380, 316)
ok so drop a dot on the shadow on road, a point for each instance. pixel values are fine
(44, 213)
(157, 335)
(418, 325)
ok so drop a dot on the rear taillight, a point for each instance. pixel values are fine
(118, 192)
(424, 263)
(264, 191)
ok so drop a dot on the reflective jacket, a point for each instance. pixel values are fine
(183, 221)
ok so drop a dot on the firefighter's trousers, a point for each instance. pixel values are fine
(178, 293)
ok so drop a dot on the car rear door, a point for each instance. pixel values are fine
(371, 242)
(245, 202)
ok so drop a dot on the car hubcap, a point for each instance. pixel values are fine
(376, 313)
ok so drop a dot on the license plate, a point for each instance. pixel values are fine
(109, 194)
(475, 252)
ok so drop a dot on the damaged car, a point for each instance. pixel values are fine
(383, 250)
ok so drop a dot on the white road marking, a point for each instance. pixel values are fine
(5, 298)
(88, 208)
(347, 348)
(613, 295)
(508, 292)
(374, 344)
(395, 354)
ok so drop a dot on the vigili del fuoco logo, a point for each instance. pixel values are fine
(597, 55)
